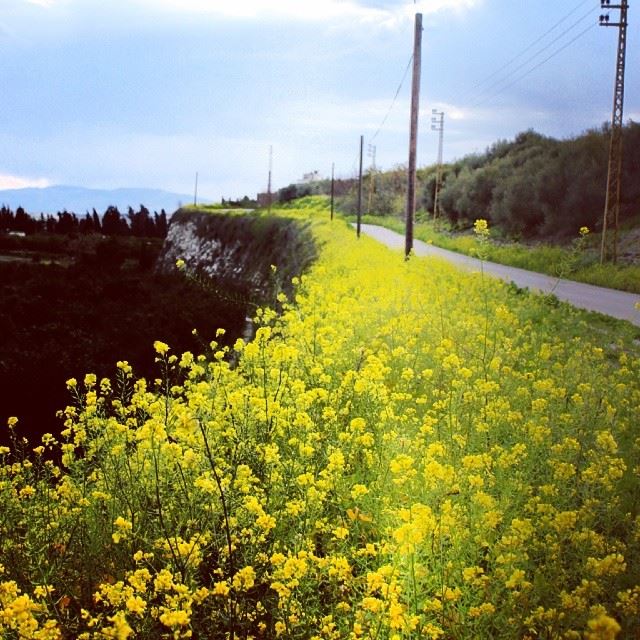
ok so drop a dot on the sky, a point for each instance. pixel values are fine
(147, 93)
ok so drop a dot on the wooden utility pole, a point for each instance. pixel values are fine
(360, 189)
(437, 124)
(333, 188)
(614, 173)
(413, 139)
(195, 192)
(269, 198)
(372, 176)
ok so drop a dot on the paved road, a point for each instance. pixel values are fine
(618, 304)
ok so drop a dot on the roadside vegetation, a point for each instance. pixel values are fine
(401, 452)
(536, 192)
(577, 260)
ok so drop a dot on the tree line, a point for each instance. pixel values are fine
(539, 186)
(533, 185)
(141, 223)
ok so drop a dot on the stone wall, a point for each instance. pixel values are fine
(237, 251)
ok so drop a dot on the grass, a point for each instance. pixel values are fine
(553, 260)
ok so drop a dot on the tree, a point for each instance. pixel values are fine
(161, 224)
(113, 224)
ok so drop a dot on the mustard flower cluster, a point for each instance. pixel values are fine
(404, 451)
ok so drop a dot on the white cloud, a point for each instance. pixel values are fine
(311, 10)
(42, 3)
(19, 182)
(451, 112)
(331, 114)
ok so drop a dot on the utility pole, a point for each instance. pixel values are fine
(333, 188)
(413, 139)
(437, 124)
(360, 189)
(269, 181)
(195, 193)
(614, 172)
(371, 152)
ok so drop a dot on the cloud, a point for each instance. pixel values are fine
(42, 3)
(19, 182)
(332, 114)
(451, 112)
(312, 10)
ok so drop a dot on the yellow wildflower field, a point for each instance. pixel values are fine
(402, 451)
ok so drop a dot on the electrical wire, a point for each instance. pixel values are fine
(355, 169)
(539, 53)
(482, 99)
(528, 48)
(393, 102)
(469, 94)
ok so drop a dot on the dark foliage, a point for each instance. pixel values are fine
(58, 322)
(140, 224)
(539, 186)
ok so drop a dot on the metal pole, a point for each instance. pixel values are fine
(333, 167)
(413, 138)
(269, 182)
(372, 176)
(437, 124)
(360, 189)
(614, 171)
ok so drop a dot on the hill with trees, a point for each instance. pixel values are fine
(533, 186)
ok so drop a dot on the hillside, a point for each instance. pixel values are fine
(531, 188)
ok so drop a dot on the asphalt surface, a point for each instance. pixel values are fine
(618, 304)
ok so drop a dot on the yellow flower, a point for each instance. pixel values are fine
(244, 579)
(160, 348)
(340, 533)
(42, 591)
(484, 609)
(221, 589)
(175, 618)
(123, 528)
(120, 629)
(358, 490)
(135, 604)
(517, 580)
(481, 228)
(124, 366)
(122, 523)
(602, 628)
(27, 491)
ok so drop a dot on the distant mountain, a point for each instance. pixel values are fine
(79, 200)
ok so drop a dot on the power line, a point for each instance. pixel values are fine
(480, 97)
(395, 97)
(525, 50)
